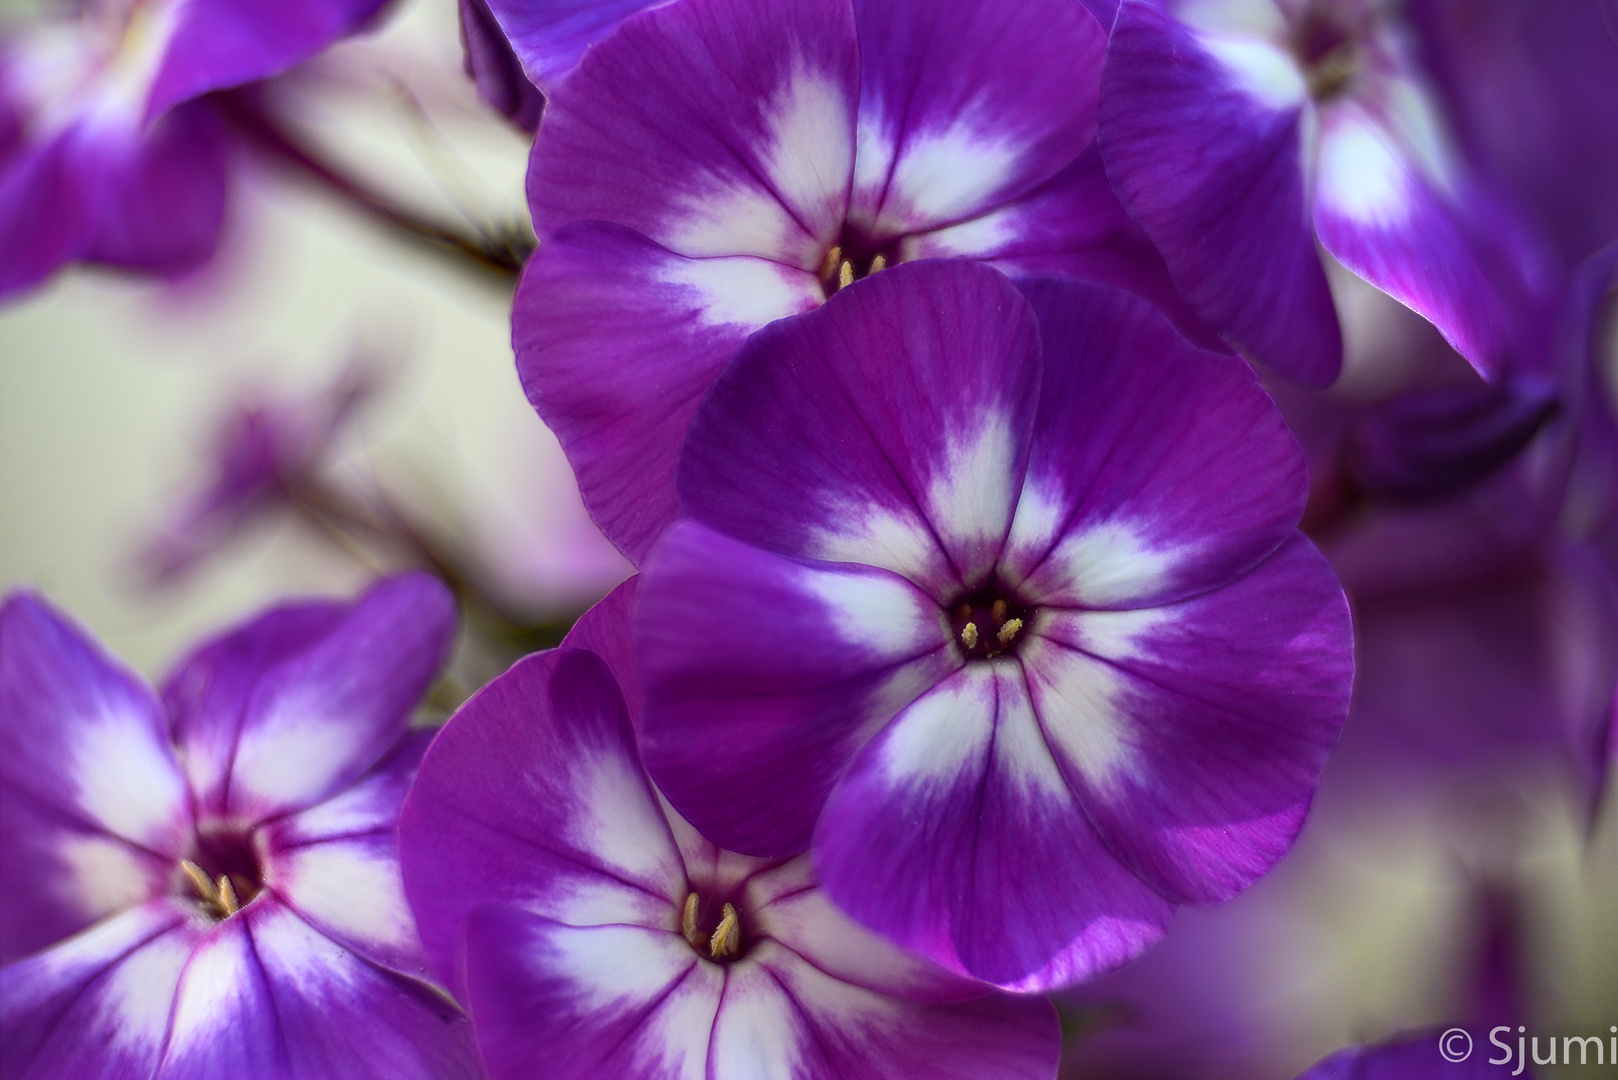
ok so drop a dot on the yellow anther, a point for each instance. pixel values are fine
(727, 936)
(688, 920)
(845, 274)
(998, 610)
(879, 263)
(227, 901)
(828, 265)
(1009, 631)
(199, 880)
(969, 635)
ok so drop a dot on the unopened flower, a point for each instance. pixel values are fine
(595, 934)
(207, 885)
(1011, 619)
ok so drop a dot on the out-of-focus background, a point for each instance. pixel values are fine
(111, 388)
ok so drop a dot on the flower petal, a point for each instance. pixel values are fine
(1404, 230)
(1158, 470)
(165, 209)
(319, 715)
(549, 36)
(218, 44)
(1195, 733)
(889, 427)
(955, 835)
(95, 808)
(575, 833)
(783, 1016)
(617, 340)
(964, 105)
(268, 993)
(1205, 154)
(578, 1003)
(764, 676)
(713, 127)
(608, 630)
(1072, 225)
(337, 864)
(49, 207)
(97, 1005)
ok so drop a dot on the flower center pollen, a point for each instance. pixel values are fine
(988, 623)
(720, 942)
(223, 873)
(850, 260)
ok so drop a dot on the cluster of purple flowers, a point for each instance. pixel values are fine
(948, 369)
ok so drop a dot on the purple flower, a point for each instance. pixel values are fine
(207, 885)
(1012, 619)
(594, 933)
(1239, 133)
(718, 164)
(105, 153)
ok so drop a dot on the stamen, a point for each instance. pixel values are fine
(845, 274)
(688, 920)
(227, 897)
(199, 881)
(828, 265)
(727, 936)
(1009, 631)
(998, 610)
(879, 262)
(969, 635)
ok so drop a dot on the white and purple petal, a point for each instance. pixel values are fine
(1421, 236)
(712, 127)
(890, 427)
(265, 991)
(956, 836)
(96, 1006)
(1204, 149)
(337, 864)
(764, 676)
(93, 802)
(533, 795)
(617, 340)
(1158, 470)
(320, 712)
(965, 105)
(1072, 225)
(1194, 734)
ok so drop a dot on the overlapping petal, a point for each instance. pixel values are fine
(955, 835)
(712, 127)
(575, 832)
(1207, 156)
(795, 666)
(617, 339)
(1109, 519)
(890, 427)
(298, 705)
(965, 105)
(549, 36)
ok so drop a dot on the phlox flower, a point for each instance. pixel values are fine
(1241, 133)
(106, 153)
(713, 165)
(594, 933)
(1008, 617)
(207, 884)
